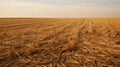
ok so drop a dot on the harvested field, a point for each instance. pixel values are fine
(66, 42)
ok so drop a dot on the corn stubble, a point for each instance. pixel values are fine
(46, 42)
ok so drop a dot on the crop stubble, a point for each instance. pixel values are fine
(84, 42)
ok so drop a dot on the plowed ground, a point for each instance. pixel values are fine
(85, 42)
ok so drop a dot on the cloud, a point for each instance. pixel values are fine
(20, 8)
(78, 2)
(102, 3)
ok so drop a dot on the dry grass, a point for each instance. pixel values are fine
(85, 42)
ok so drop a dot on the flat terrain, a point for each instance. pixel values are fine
(40, 42)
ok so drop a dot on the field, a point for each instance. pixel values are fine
(60, 42)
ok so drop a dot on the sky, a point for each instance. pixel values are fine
(60, 8)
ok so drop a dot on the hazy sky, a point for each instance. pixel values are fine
(59, 8)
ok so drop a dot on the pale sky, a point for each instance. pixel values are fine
(60, 8)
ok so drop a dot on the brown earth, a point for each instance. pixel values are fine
(48, 42)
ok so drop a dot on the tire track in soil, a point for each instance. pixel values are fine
(90, 53)
(75, 36)
(81, 46)
(54, 36)
(86, 28)
(62, 32)
(76, 46)
(73, 46)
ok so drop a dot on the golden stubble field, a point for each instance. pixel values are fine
(55, 42)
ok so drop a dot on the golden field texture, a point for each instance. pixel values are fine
(55, 42)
